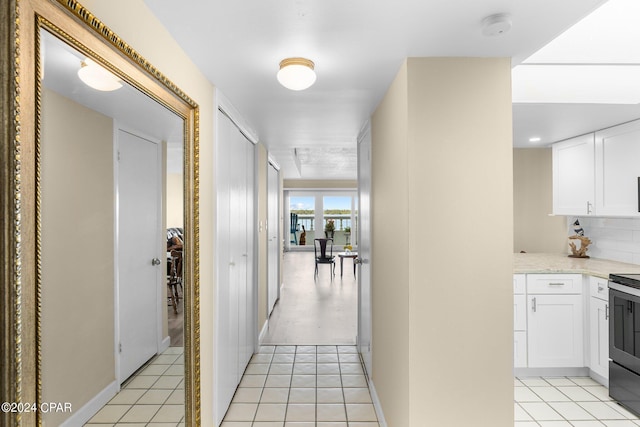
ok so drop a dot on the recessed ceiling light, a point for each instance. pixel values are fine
(96, 77)
(535, 139)
(296, 73)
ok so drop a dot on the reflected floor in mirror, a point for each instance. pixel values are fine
(153, 396)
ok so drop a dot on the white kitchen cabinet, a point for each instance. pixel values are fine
(617, 170)
(554, 283)
(599, 327)
(519, 321)
(555, 331)
(573, 176)
(520, 349)
(599, 336)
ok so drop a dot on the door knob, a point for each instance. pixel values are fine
(155, 261)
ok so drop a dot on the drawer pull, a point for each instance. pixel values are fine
(556, 284)
(600, 288)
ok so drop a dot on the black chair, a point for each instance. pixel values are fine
(322, 257)
(293, 228)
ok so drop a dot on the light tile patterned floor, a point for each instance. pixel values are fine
(303, 386)
(567, 402)
(154, 397)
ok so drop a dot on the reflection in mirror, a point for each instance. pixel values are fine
(111, 184)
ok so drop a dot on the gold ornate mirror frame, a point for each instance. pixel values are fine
(20, 275)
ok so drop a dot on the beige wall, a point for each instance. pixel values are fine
(77, 253)
(136, 24)
(175, 197)
(318, 183)
(534, 229)
(389, 262)
(443, 136)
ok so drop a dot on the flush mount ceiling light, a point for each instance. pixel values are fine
(496, 25)
(296, 73)
(96, 77)
(535, 139)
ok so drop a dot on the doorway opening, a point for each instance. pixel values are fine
(322, 309)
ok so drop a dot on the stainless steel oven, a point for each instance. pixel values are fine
(624, 340)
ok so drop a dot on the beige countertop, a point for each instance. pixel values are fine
(561, 263)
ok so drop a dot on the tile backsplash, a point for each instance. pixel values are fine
(616, 239)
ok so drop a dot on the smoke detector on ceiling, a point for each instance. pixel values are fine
(496, 25)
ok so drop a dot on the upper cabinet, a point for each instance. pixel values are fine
(573, 176)
(599, 173)
(617, 170)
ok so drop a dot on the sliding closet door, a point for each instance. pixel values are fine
(235, 325)
(226, 339)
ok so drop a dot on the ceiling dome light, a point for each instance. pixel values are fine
(296, 73)
(96, 77)
(496, 25)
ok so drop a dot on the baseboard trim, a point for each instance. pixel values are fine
(599, 378)
(263, 332)
(376, 403)
(551, 372)
(84, 414)
(166, 342)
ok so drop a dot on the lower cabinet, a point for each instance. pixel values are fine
(520, 349)
(555, 331)
(599, 328)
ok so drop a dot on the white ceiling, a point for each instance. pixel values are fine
(357, 46)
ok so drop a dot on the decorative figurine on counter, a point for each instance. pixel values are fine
(584, 242)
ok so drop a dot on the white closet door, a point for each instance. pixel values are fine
(235, 305)
(273, 251)
(226, 339)
(247, 323)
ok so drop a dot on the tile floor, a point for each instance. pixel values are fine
(303, 386)
(154, 397)
(567, 402)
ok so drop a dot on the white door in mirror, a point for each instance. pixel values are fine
(139, 229)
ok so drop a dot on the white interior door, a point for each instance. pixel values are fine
(139, 280)
(364, 249)
(273, 230)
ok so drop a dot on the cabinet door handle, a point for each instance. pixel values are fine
(639, 194)
(533, 304)
(588, 207)
(606, 312)
(600, 288)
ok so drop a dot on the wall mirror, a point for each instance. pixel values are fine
(106, 318)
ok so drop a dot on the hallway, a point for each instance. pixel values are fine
(320, 312)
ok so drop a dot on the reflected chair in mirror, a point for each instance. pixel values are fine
(293, 228)
(324, 256)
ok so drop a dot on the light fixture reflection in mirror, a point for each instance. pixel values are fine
(97, 150)
(96, 77)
